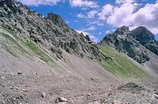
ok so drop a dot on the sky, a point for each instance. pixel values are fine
(97, 18)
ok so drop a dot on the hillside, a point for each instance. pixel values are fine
(139, 44)
(44, 61)
(29, 74)
(50, 31)
(120, 65)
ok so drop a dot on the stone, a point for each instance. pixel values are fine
(43, 94)
(61, 99)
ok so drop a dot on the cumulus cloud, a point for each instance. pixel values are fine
(83, 3)
(74, 3)
(121, 15)
(90, 14)
(125, 1)
(130, 14)
(106, 11)
(90, 28)
(147, 16)
(40, 2)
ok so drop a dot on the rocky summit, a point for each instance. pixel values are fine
(146, 38)
(139, 44)
(44, 61)
(134, 43)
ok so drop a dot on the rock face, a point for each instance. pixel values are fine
(146, 38)
(50, 31)
(133, 43)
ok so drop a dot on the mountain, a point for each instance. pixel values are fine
(50, 31)
(139, 44)
(146, 38)
(44, 61)
(134, 43)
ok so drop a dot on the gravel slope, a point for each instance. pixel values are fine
(27, 79)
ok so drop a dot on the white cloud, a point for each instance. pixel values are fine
(125, 1)
(90, 28)
(130, 14)
(106, 11)
(80, 15)
(75, 3)
(90, 14)
(121, 15)
(147, 16)
(83, 3)
(40, 2)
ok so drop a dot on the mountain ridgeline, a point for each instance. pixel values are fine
(44, 61)
(135, 43)
(50, 31)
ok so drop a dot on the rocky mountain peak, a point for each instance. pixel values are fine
(122, 30)
(124, 40)
(143, 35)
(146, 38)
(133, 43)
(56, 19)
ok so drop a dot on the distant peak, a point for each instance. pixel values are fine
(123, 29)
(141, 27)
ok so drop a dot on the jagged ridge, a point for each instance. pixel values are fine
(50, 31)
(134, 43)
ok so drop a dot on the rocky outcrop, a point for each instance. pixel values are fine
(123, 41)
(50, 32)
(146, 38)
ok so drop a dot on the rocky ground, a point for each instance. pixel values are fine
(19, 89)
(43, 61)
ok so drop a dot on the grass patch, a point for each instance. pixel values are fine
(37, 50)
(26, 43)
(9, 31)
(119, 64)
(11, 45)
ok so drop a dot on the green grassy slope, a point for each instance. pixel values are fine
(119, 64)
(16, 46)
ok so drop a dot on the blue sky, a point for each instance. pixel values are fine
(100, 17)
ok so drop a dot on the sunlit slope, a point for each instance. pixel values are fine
(119, 64)
(17, 47)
